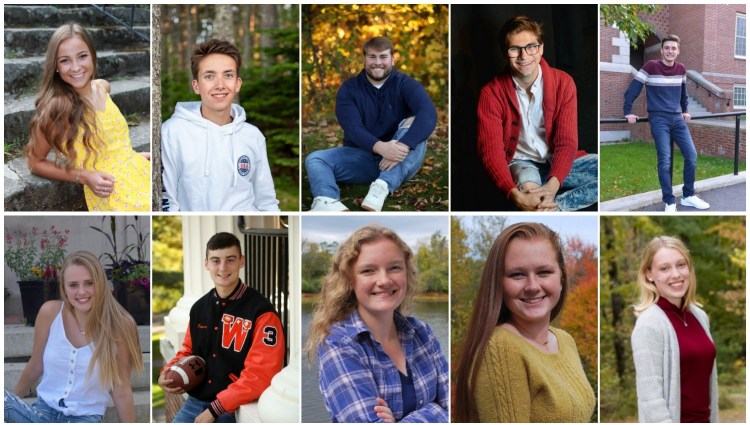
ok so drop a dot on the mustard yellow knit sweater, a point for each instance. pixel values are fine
(519, 383)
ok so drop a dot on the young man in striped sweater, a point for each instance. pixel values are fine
(666, 102)
(528, 128)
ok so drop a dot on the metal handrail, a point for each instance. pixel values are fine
(130, 26)
(736, 116)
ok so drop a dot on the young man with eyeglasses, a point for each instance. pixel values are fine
(666, 103)
(528, 128)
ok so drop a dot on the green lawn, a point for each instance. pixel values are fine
(630, 168)
(427, 191)
(157, 395)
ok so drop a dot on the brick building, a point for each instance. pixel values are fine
(713, 49)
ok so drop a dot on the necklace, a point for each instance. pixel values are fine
(83, 333)
(682, 319)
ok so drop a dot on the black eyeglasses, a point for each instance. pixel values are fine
(530, 49)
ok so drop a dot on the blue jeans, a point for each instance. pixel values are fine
(194, 407)
(578, 191)
(350, 165)
(664, 128)
(17, 411)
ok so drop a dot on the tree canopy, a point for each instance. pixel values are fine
(332, 38)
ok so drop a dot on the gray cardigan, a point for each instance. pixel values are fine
(656, 354)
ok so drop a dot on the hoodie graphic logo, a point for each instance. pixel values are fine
(243, 165)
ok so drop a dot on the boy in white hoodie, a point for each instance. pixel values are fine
(212, 159)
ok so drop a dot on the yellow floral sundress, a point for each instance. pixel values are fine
(132, 172)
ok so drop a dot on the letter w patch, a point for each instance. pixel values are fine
(235, 331)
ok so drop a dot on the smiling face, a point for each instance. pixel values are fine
(218, 81)
(378, 65)
(380, 278)
(525, 67)
(224, 267)
(74, 63)
(669, 52)
(79, 287)
(532, 280)
(670, 273)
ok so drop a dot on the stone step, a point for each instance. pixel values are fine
(19, 340)
(45, 16)
(24, 74)
(141, 399)
(695, 108)
(24, 42)
(27, 192)
(131, 96)
(139, 381)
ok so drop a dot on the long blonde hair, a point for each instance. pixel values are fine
(108, 323)
(61, 113)
(337, 298)
(648, 292)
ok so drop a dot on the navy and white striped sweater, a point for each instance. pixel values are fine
(666, 90)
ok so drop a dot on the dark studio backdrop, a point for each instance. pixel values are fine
(570, 44)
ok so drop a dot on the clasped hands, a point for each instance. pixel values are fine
(393, 152)
(532, 197)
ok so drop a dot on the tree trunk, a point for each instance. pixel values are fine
(189, 41)
(268, 21)
(163, 46)
(156, 111)
(616, 302)
(247, 33)
(223, 22)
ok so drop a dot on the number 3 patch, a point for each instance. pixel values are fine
(271, 336)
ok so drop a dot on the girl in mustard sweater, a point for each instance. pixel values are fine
(516, 367)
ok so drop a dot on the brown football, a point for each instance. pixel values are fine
(187, 373)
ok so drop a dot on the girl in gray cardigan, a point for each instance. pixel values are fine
(670, 335)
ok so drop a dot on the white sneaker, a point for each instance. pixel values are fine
(326, 204)
(670, 208)
(376, 196)
(695, 202)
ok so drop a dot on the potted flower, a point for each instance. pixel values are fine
(36, 257)
(130, 275)
(132, 282)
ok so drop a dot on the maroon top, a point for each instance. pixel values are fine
(697, 354)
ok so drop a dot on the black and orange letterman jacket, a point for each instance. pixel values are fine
(242, 341)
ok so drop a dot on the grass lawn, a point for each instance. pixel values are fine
(287, 192)
(427, 191)
(157, 395)
(630, 168)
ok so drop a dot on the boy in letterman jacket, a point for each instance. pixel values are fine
(212, 160)
(237, 332)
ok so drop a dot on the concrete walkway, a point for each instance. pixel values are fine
(724, 193)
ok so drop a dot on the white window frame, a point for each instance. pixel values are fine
(737, 36)
(734, 96)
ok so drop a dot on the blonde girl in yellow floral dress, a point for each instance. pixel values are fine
(77, 119)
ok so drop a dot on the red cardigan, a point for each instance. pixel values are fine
(499, 125)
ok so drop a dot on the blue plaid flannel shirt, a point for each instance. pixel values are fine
(354, 370)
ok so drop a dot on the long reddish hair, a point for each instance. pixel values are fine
(489, 312)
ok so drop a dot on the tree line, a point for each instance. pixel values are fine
(430, 260)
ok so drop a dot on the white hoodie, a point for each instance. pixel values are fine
(208, 167)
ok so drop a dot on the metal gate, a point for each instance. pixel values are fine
(267, 270)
